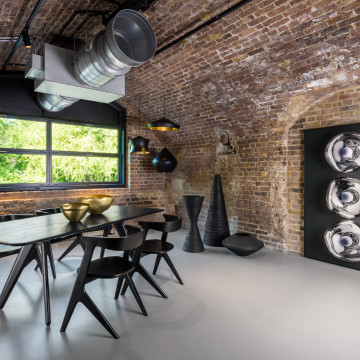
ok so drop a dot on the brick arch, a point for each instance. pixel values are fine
(300, 103)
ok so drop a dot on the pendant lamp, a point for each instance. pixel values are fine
(163, 124)
(139, 144)
(164, 161)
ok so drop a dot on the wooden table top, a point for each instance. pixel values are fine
(42, 228)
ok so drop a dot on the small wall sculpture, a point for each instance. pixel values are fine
(224, 146)
(342, 240)
(331, 201)
(343, 197)
(217, 226)
(343, 152)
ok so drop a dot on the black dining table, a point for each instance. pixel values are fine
(31, 232)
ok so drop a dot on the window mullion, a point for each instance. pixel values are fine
(48, 152)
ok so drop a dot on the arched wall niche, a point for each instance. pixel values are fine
(332, 109)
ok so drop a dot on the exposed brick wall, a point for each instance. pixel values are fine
(341, 108)
(253, 73)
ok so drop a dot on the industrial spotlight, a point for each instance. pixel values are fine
(26, 38)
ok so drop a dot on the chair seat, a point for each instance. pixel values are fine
(155, 246)
(6, 250)
(110, 267)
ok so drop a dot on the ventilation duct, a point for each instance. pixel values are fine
(128, 41)
(54, 103)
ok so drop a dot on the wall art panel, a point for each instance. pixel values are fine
(332, 195)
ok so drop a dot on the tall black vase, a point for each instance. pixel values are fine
(193, 242)
(217, 226)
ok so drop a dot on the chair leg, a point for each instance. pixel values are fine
(85, 299)
(124, 285)
(118, 287)
(132, 286)
(69, 311)
(157, 262)
(102, 252)
(73, 245)
(79, 295)
(172, 267)
(141, 270)
(126, 256)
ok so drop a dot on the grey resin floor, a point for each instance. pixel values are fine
(270, 305)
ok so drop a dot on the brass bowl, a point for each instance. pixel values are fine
(74, 211)
(98, 203)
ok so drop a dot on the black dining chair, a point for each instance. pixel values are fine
(107, 268)
(161, 247)
(6, 250)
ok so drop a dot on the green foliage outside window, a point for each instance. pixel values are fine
(84, 169)
(31, 168)
(22, 134)
(83, 138)
(22, 168)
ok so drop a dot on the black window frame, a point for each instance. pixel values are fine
(49, 153)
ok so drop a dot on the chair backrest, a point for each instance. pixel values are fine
(172, 223)
(48, 211)
(133, 239)
(12, 217)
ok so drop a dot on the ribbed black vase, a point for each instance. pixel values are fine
(193, 242)
(217, 226)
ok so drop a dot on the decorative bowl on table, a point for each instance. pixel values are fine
(74, 211)
(98, 203)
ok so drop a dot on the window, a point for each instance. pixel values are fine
(54, 154)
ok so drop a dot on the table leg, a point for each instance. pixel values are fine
(45, 284)
(25, 254)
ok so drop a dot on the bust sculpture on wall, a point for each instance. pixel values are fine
(224, 146)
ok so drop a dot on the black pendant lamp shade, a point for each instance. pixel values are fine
(164, 161)
(163, 124)
(139, 144)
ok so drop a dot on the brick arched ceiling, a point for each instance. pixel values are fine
(243, 70)
(250, 70)
(169, 19)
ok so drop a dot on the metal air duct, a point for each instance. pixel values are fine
(128, 41)
(54, 103)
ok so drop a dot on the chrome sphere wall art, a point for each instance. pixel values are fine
(342, 240)
(343, 197)
(332, 195)
(343, 152)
